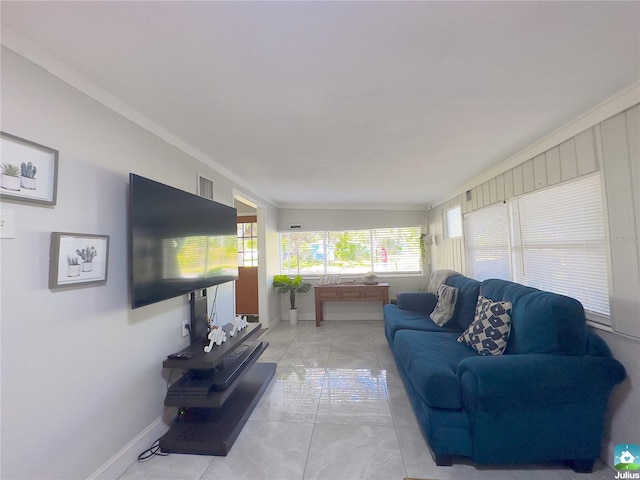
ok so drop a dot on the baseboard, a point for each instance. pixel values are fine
(342, 316)
(607, 454)
(121, 461)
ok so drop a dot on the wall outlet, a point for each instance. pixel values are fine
(185, 328)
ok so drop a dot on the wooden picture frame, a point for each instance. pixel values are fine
(29, 171)
(78, 259)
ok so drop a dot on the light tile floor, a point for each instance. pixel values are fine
(335, 410)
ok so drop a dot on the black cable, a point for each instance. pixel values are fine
(152, 451)
(212, 312)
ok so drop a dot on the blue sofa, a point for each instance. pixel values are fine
(543, 400)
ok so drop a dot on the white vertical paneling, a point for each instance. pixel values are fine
(568, 164)
(622, 229)
(552, 157)
(528, 181)
(518, 188)
(486, 197)
(586, 153)
(493, 191)
(508, 184)
(474, 198)
(540, 171)
(480, 196)
(500, 188)
(633, 135)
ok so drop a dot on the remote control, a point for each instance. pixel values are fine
(180, 355)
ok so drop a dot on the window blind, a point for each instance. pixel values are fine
(487, 240)
(381, 250)
(558, 242)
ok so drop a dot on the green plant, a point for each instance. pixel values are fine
(292, 286)
(87, 254)
(28, 170)
(72, 261)
(10, 170)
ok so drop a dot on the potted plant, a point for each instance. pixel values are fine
(10, 177)
(87, 255)
(73, 267)
(28, 179)
(292, 286)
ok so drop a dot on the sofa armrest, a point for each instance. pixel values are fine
(511, 381)
(423, 302)
(556, 403)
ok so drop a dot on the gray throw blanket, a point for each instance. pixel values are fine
(446, 305)
(438, 277)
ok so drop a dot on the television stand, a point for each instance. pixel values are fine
(217, 393)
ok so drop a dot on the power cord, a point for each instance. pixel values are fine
(151, 452)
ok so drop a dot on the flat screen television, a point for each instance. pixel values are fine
(178, 242)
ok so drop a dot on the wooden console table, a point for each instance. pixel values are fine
(349, 292)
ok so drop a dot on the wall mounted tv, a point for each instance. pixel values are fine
(178, 242)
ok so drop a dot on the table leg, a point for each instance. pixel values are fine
(319, 317)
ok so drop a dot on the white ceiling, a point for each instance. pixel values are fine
(347, 102)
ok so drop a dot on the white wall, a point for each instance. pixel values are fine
(608, 142)
(81, 371)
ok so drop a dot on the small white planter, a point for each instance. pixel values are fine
(293, 316)
(87, 266)
(28, 183)
(10, 183)
(73, 271)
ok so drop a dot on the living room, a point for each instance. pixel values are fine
(97, 363)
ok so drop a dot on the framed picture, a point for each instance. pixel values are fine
(78, 258)
(29, 171)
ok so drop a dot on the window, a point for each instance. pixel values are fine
(553, 240)
(454, 222)
(247, 241)
(559, 242)
(382, 250)
(487, 233)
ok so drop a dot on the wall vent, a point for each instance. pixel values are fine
(205, 187)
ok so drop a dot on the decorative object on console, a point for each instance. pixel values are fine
(66, 251)
(216, 336)
(292, 286)
(239, 323)
(371, 279)
(24, 160)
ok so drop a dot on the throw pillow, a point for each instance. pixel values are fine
(489, 331)
(446, 305)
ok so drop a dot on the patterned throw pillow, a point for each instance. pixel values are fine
(446, 305)
(489, 331)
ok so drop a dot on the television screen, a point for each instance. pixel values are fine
(178, 242)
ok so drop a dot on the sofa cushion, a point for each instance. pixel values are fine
(489, 332)
(541, 322)
(446, 305)
(468, 291)
(430, 361)
(396, 319)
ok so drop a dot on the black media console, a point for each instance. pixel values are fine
(216, 393)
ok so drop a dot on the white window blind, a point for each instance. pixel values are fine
(381, 250)
(487, 241)
(558, 242)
